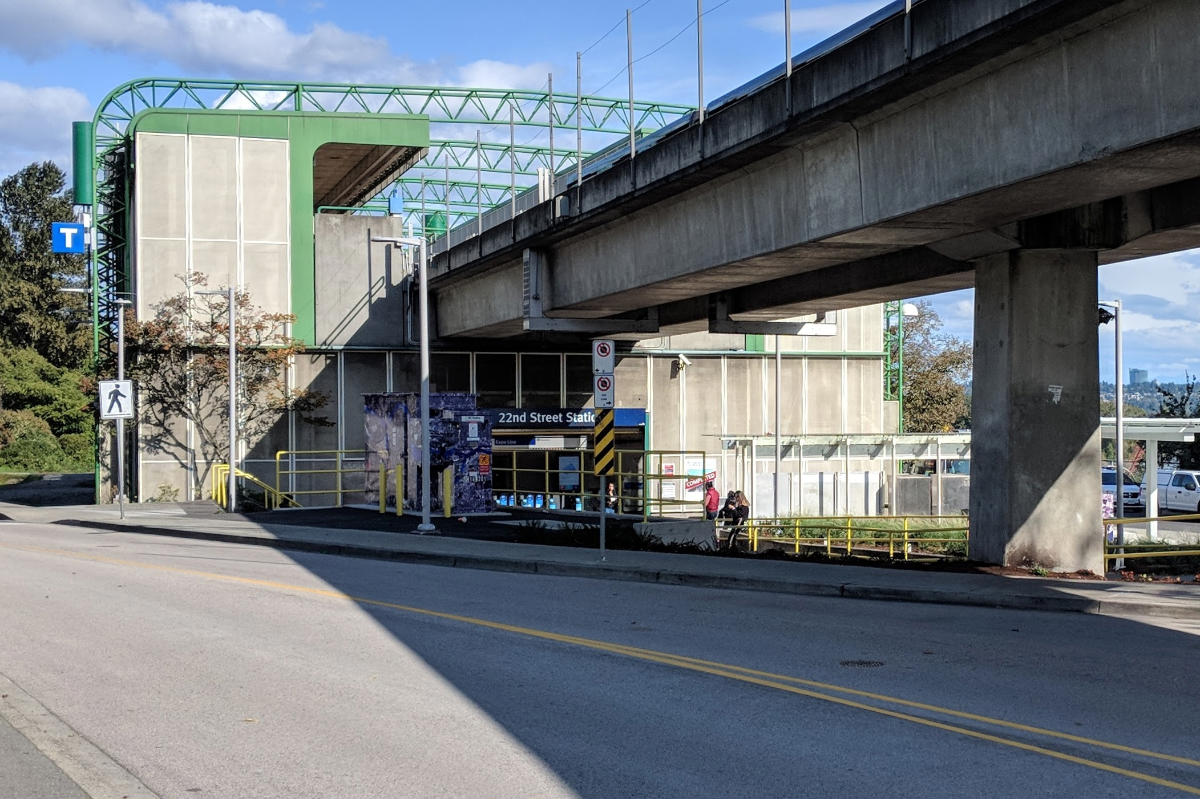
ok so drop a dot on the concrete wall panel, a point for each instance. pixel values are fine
(318, 372)
(160, 269)
(359, 300)
(743, 397)
(265, 275)
(630, 379)
(216, 259)
(701, 383)
(864, 400)
(265, 199)
(161, 185)
(824, 396)
(365, 373)
(212, 170)
(665, 408)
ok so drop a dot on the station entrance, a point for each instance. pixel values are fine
(543, 459)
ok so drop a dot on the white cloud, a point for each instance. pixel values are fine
(35, 124)
(1173, 277)
(819, 19)
(499, 75)
(198, 36)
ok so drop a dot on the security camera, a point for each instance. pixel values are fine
(684, 360)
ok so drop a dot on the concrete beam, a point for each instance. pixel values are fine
(1038, 109)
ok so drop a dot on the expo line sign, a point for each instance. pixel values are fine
(695, 482)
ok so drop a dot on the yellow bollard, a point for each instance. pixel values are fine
(849, 533)
(906, 538)
(796, 534)
(447, 491)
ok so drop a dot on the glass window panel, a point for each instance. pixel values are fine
(449, 372)
(579, 381)
(541, 379)
(496, 379)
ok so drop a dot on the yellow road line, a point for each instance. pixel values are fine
(779, 682)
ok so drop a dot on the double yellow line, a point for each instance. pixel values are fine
(826, 692)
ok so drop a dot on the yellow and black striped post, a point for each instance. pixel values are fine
(604, 443)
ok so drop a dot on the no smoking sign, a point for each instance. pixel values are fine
(603, 386)
(604, 357)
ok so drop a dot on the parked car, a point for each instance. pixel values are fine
(1130, 489)
(1178, 489)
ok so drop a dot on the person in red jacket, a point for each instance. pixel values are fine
(712, 501)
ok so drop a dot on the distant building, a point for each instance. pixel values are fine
(1139, 376)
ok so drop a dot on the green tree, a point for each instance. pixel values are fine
(181, 365)
(937, 375)
(1179, 401)
(60, 397)
(33, 312)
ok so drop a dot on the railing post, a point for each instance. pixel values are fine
(906, 538)
(382, 487)
(849, 532)
(399, 483)
(796, 534)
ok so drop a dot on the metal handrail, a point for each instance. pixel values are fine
(273, 498)
(337, 456)
(850, 532)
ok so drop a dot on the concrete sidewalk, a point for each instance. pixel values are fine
(397, 542)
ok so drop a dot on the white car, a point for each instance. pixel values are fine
(1130, 489)
(1179, 489)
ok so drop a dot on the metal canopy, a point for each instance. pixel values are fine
(1140, 429)
(350, 174)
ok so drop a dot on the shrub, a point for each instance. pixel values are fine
(78, 451)
(26, 443)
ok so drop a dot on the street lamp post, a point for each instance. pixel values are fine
(426, 525)
(122, 303)
(231, 295)
(1115, 316)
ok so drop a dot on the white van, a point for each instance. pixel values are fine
(1178, 489)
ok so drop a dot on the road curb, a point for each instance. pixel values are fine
(694, 579)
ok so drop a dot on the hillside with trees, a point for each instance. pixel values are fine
(47, 418)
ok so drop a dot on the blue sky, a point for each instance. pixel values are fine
(59, 58)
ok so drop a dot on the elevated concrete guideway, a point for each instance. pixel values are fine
(873, 175)
(1013, 145)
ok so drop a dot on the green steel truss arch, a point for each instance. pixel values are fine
(451, 173)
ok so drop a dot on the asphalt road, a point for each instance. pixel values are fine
(206, 669)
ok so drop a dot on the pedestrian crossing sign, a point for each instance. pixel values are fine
(116, 399)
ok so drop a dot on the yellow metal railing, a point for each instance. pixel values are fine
(272, 497)
(327, 466)
(1114, 551)
(933, 536)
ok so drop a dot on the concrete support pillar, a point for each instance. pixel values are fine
(1035, 412)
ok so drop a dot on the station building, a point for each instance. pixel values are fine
(287, 206)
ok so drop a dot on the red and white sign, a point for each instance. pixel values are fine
(695, 482)
(604, 356)
(604, 391)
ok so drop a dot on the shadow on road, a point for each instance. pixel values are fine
(49, 490)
